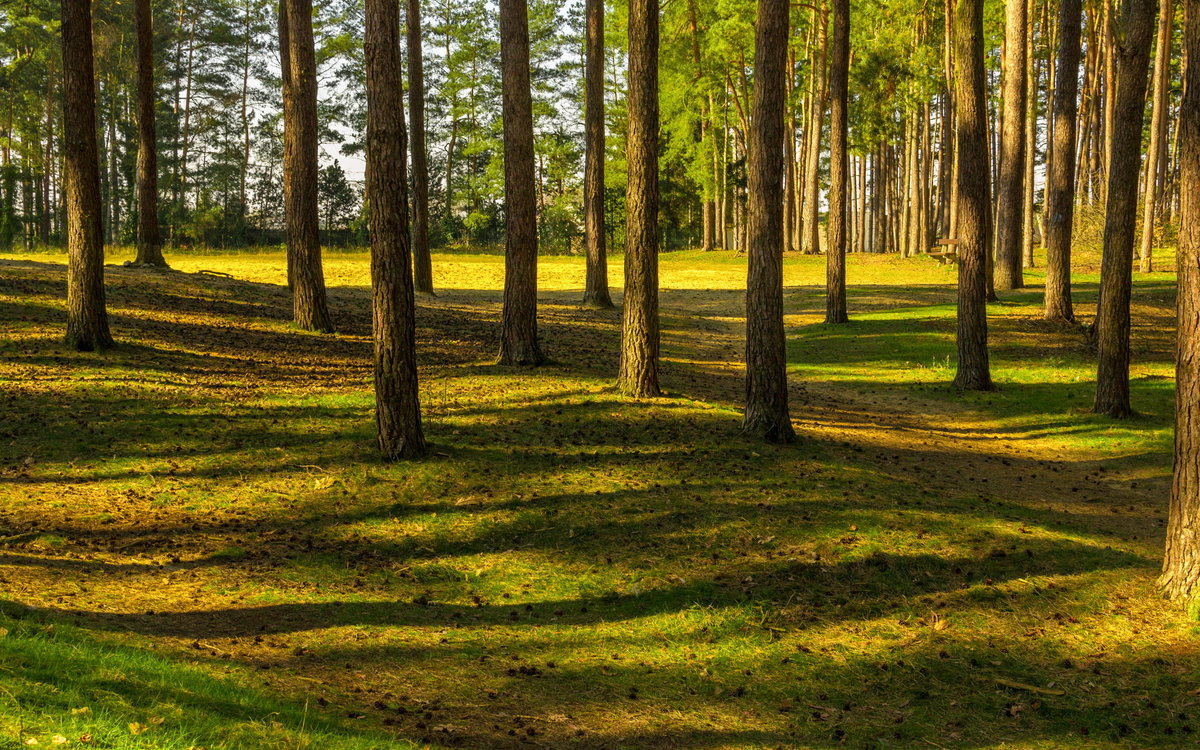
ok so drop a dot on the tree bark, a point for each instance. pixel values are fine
(595, 292)
(397, 405)
(839, 174)
(1180, 580)
(289, 140)
(1134, 34)
(974, 198)
(309, 307)
(1010, 203)
(811, 235)
(767, 414)
(518, 332)
(1158, 134)
(87, 317)
(1060, 185)
(639, 325)
(422, 263)
(149, 242)
(1031, 109)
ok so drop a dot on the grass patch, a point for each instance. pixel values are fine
(571, 568)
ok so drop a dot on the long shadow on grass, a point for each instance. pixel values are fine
(844, 590)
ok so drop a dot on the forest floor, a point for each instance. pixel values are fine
(199, 548)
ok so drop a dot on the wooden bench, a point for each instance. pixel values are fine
(945, 252)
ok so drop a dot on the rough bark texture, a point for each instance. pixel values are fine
(974, 197)
(839, 175)
(289, 145)
(309, 308)
(1031, 116)
(422, 263)
(1060, 185)
(149, 241)
(639, 321)
(810, 234)
(518, 330)
(595, 291)
(1011, 198)
(1133, 37)
(1158, 133)
(767, 414)
(87, 318)
(1181, 561)
(397, 407)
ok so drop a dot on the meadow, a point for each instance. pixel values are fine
(199, 548)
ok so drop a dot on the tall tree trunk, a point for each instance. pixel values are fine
(639, 325)
(309, 307)
(244, 167)
(518, 332)
(397, 405)
(811, 235)
(289, 139)
(949, 131)
(87, 317)
(924, 183)
(1110, 100)
(1011, 201)
(974, 198)
(149, 242)
(595, 292)
(1031, 109)
(186, 133)
(839, 176)
(1158, 133)
(1181, 561)
(1134, 34)
(1060, 184)
(114, 192)
(767, 414)
(422, 263)
(48, 161)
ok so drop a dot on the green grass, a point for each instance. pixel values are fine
(62, 687)
(569, 567)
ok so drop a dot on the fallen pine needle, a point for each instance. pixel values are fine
(1030, 688)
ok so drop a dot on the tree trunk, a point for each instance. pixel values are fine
(518, 332)
(149, 242)
(839, 173)
(244, 167)
(1110, 100)
(289, 140)
(1031, 108)
(1158, 134)
(639, 330)
(304, 240)
(48, 161)
(1180, 579)
(87, 318)
(422, 263)
(595, 292)
(1116, 268)
(809, 227)
(114, 191)
(767, 414)
(1011, 201)
(974, 198)
(1060, 184)
(186, 134)
(397, 406)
